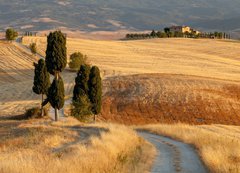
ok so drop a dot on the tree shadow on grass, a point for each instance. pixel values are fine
(84, 134)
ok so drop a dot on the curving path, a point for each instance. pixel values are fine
(173, 156)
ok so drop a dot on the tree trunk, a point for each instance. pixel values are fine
(56, 110)
(42, 113)
(56, 75)
(56, 114)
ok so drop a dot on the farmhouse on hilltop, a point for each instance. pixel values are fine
(183, 29)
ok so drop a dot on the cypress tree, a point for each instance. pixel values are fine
(56, 53)
(41, 80)
(95, 90)
(56, 95)
(81, 103)
(81, 81)
(56, 61)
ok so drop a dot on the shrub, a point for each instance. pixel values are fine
(33, 48)
(76, 60)
(81, 109)
(11, 34)
(35, 112)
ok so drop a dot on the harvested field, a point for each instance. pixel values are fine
(153, 98)
(150, 81)
(199, 57)
(15, 64)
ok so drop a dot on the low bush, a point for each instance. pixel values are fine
(33, 48)
(35, 112)
(81, 110)
(76, 60)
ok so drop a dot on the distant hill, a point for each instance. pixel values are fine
(112, 15)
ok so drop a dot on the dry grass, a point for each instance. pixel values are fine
(15, 64)
(206, 58)
(16, 74)
(149, 98)
(39, 147)
(166, 98)
(218, 145)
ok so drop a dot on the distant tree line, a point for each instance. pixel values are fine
(167, 34)
(28, 33)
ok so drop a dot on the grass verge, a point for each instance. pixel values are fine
(40, 146)
(218, 145)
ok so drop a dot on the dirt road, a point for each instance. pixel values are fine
(173, 156)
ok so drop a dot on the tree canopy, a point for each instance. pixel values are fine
(81, 103)
(11, 34)
(76, 60)
(33, 48)
(95, 89)
(81, 81)
(41, 78)
(56, 53)
(56, 94)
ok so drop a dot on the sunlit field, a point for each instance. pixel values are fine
(43, 146)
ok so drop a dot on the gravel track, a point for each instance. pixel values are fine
(173, 156)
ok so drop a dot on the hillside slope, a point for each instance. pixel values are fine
(15, 64)
(206, 58)
(162, 80)
(167, 98)
(16, 75)
(112, 15)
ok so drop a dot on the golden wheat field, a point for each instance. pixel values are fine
(206, 58)
(218, 145)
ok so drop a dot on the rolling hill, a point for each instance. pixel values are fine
(150, 81)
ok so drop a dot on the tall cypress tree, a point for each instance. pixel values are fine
(56, 95)
(41, 80)
(56, 61)
(56, 53)
(81, 102)
(81, 81)
(95, 90)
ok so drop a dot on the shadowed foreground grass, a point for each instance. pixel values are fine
(70, 148)
(218, 145)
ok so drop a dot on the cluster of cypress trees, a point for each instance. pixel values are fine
(55, 62)
(87, 93)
